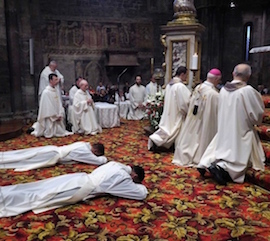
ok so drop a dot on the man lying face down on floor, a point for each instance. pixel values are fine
(111, 178)
(44, 156)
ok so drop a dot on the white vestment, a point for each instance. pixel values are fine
(198, 130)
(71, 95)
(44, 80)
(111, 178)
(137, 96)
(151, 89)
(176, 102)
(84, 119)
(236, 144)
(50, 109)
(44, 156)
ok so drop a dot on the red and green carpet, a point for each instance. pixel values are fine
(180, 206)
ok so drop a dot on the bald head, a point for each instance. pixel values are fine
(83, 85)
(242, 72)
(53, 65)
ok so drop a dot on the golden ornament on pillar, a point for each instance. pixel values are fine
(184, 12)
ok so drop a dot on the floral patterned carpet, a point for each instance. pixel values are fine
(180, 206)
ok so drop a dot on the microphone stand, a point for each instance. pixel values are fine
(118, 83)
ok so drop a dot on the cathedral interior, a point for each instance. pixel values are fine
(98, 40)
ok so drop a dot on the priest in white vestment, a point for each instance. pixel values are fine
(236, 146)
(137, 98)
(84, 120)
(111, 178)
(44, 78)
(176, 102)
(200, 125)
(71, 94)
(152, 87)
(44, 156)
(51, 114)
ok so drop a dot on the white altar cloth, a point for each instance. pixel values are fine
(107, 114)
(124, 108)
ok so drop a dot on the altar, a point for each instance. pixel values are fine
(107, 115)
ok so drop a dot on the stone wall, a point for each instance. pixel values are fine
(223, 41)
(82, 34)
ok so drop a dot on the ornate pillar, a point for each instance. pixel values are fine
(182, 41)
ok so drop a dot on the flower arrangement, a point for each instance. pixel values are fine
(154, 109)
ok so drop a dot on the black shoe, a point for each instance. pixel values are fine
(217, 174)
(153, 148)
(30, 130)
(202, 171)
(225, 174)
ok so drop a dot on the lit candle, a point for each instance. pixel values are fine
(152, 65)
(194, 64)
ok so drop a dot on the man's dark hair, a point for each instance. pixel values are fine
(51, 76)
(99, 147)
(140, 172)
(181, 70)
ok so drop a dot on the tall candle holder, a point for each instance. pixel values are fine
(194, 71)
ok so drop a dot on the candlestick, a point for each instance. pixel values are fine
(194, 63)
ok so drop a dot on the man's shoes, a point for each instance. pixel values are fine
(202, 171)
(30, 130)
(218, 175)
(153, 148)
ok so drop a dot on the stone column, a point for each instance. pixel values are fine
(5, 94)
(13, 39)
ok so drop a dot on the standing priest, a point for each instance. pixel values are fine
(137, 98)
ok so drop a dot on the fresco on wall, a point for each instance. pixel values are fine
(60, 34)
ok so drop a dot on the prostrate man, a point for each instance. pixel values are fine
(44, 76)
(200, 125)
(44, 156)
(84, 119)
(236, 144)
(51, 114)
(176, 101)
(153, 87)
(112, 178)
(137, 97)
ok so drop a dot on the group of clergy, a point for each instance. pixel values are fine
(52, 115)
(213, 131)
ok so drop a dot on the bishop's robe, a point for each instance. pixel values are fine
(176, 102)
(137, 96)
(111, 178)
(236, 146)
(84, 118)
(199, 127)
(44, 156)
(50, 109)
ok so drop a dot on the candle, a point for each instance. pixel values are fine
(194, 63)
(152, 65)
